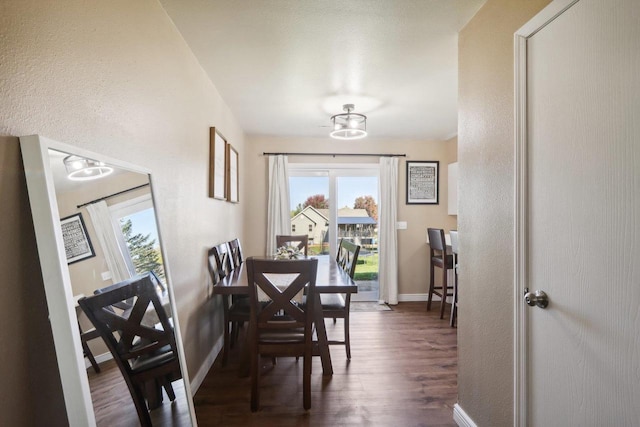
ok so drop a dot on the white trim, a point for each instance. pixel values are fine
(520, 244)
(101, 358)
(461, 418)
(199, 377)
(416, 297)
(544, 17)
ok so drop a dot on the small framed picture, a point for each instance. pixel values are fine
(77, 245)
(232, 175)
(217, 165)
(423, 182)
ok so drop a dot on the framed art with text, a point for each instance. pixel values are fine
(217, 165)
(423, 182)
(77, 245)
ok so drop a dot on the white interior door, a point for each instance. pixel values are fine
(579, 229)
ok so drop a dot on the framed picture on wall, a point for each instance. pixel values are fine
(423, 182)
(232, 175)
(77, 244)
(217, 165)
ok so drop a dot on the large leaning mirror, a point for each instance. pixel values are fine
(96, 229)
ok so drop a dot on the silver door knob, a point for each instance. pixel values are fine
(538, 298)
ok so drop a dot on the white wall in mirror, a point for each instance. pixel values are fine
(52, 198)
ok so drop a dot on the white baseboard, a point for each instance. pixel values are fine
(416, 297)
(411, 297)
(99, 359)
(197, 380)
(461, 418)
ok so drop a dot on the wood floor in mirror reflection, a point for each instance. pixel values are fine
(403, 372)
(113, 405)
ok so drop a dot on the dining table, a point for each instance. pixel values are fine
(330, 278)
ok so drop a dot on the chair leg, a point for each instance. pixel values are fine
(255, 373)
(306, 382)
(226, 338)
(445, 291)
(169, 389)
(141, 407)
(431, 286)
(225, 344)
(89, 355)
(347, 341)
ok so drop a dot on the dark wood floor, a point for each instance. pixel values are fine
(403, 372)
(113, 405)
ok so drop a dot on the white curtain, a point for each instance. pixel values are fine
(387, 234)
(101, 219)
(278, 213)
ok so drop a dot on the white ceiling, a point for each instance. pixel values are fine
(285, 66)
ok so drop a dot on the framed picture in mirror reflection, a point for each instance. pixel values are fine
(217, 165)
(77, 244)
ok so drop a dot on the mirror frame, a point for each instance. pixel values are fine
(57, 281)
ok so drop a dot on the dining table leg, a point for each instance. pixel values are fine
(321, 334)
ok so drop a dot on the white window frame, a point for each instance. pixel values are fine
(126, 208)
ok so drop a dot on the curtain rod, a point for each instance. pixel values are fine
(336, 154)
(112, 195)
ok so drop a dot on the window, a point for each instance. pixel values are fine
(139, 240)
(341, 200)
(293, 228)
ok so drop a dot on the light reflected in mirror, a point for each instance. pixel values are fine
(110, 235)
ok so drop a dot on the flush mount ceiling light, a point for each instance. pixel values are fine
(348, 125)
(83, 169)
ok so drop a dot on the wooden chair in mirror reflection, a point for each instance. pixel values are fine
(280, 325)
(146, 355)
(438, 257)
(299, 241)
(337, 306)
(235, 308)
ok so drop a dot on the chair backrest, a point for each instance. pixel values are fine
(454, 241)
(347, 256)
(436, 239)
(124, 331)
(219, 258)
(279, 311)
(301, 241)
(236, 253)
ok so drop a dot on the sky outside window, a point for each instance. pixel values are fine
(301, 188)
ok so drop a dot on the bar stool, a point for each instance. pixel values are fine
(454, 249)
(440, 259)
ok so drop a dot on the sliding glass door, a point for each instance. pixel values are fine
(333, 202)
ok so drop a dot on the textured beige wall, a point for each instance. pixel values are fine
(412, 247)
(485, 210)
(116, 78)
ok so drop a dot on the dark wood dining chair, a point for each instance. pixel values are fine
(338, 306)
(279, 325)
(300, 241)
(439, 258)
(454, 250)
(85, 337)
(236, 253)
(146, 355)
(235, 311)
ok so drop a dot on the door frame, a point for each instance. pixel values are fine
(520, 322)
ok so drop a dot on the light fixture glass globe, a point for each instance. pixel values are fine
(82, 169)
(349, 125)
